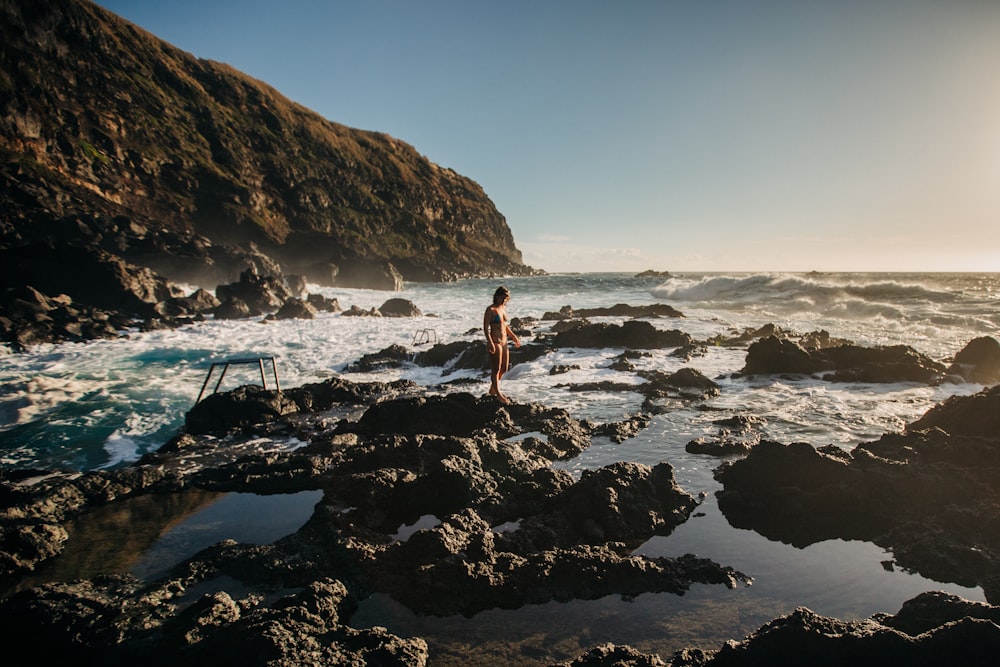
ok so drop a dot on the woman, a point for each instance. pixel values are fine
(497, 329)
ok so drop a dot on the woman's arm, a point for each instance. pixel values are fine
(510, 332)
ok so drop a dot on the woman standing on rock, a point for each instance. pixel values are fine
(497, 328)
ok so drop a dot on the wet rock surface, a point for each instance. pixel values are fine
(406, 456)
(508, 528)
(929, 496)
(843, 363)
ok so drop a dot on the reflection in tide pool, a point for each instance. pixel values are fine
(244, 517)
(149, 534)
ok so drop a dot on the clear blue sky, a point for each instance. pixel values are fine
(680, 136)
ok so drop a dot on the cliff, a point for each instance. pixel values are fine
(114, 139)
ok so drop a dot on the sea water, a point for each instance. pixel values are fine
(103, 404)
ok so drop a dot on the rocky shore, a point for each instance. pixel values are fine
(511, 529)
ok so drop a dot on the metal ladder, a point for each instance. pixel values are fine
(230, 362)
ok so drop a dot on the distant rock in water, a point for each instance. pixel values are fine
(842, 363)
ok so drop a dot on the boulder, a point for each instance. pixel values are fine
(978, 361)
(976, 415)
(263, 294)
(233, 308)
(399, 308)
(295, 309)
(244, 406)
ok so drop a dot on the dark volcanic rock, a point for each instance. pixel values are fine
(263, 294)
(633, 334)
(976, 415)
(243, 406)
(295, 309)
(610, 655)
(806, 638)
(323, 304)
(90, 276)
(843, 363)
(28, 317)
(233, 308)
(979, 361)
(399, 308)
(393, 356)
(107, 622)
(923, 494)
(737, 435)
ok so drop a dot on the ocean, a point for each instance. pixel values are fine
(103, 404)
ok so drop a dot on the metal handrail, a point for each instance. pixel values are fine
(229, 362)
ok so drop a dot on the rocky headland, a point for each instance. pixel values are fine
(128, 165)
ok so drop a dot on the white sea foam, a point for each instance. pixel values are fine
(106, 402)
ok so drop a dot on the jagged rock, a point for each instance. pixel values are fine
(804, 637)
(737, 435)
(110, 622)
(633, 334)
(399, 308)
(111, 283)
(916, 493)
(178, 309)
(843, 363)
(622, 431)
(456, 355)
(618, 310)
(393, 356)
(976, 415)
(295, 309)
(323, 304)
(774, 355)
(462, 566)
(233, 308)
(611, 655)
(978, 361)
(355, 311)
(243, 406)
(28, 317)
(263, 294)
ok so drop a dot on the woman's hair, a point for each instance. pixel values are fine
(501, 294)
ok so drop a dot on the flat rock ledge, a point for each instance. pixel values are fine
(384, 456)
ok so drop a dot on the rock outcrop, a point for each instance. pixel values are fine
(115, 143)
(929, 495)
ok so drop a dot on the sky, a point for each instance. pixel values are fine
(695, 135)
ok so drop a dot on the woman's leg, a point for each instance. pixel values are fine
(495, 373)
(504, 364)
